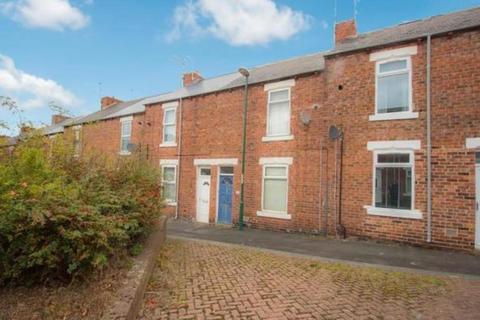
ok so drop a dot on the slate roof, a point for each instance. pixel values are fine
(440, 24)
(200, 87)
(58, 128)
(268, 72)
(117, 110)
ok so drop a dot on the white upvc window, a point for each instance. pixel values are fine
(169, 184)
(278, 113)
(393, 84)
(169, 125)
(394, 179)
(125, 134)
(275, 188)
(278, 110)
(77, 140)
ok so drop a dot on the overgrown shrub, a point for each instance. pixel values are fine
(62, 216)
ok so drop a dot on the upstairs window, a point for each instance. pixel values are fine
(126, 134)
(278, 118)
(169, 125)
(393, 180)
(393, 83)
(77, 142)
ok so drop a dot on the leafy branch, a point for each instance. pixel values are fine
(11, 106)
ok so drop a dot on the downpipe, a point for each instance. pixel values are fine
(341, 230)
(179, 157)
(429, 142)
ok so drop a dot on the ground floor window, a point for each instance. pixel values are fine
(393, 180)
(275, 188)
(169, 183)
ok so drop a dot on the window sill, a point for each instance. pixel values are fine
(283, 216)
(168, 144)
(394, 213)
(124, 153)
(171, 204)
(393, 116)
(277, 138)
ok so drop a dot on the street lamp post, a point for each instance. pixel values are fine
(244, 72)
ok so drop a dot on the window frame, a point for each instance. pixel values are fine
(122, 123)
(394, 147)
(77, 151)
(164, 124)
(283, 136)
(169, 166)
(379, 74)
(274, 213)
(410, 164)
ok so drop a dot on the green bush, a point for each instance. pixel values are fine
(62, 216)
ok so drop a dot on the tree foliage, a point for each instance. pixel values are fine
(62, 216)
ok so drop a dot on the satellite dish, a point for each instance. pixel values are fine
(334, 132)
(305, 117)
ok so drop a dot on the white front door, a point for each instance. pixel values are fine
(203, 194)
(477, 206)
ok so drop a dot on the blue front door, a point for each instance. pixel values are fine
(225, 189)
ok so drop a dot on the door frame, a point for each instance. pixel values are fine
(219, 169)
(197, 195)
(477, 206)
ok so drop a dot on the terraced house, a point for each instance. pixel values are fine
(378, 137)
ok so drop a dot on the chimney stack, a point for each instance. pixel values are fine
(25, 129)
(191, 78)
(345, 30)
(107, 102)
(57, 118)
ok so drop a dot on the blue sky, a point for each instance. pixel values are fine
(71, 52)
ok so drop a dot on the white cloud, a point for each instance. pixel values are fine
(49, 14)
(31, 91)
(238, 22)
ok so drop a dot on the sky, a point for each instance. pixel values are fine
(69, 53)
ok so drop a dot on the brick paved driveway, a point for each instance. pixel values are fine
(197, 280)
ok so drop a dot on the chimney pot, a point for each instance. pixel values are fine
(107, 102)
(345, 30)
(191, 78)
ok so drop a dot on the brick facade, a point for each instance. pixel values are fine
(209, 126)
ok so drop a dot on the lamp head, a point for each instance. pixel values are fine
(244, 72)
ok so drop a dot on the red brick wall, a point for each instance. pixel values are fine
(104, 135)
(153, 137)
(455, 116)
(212, 129)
